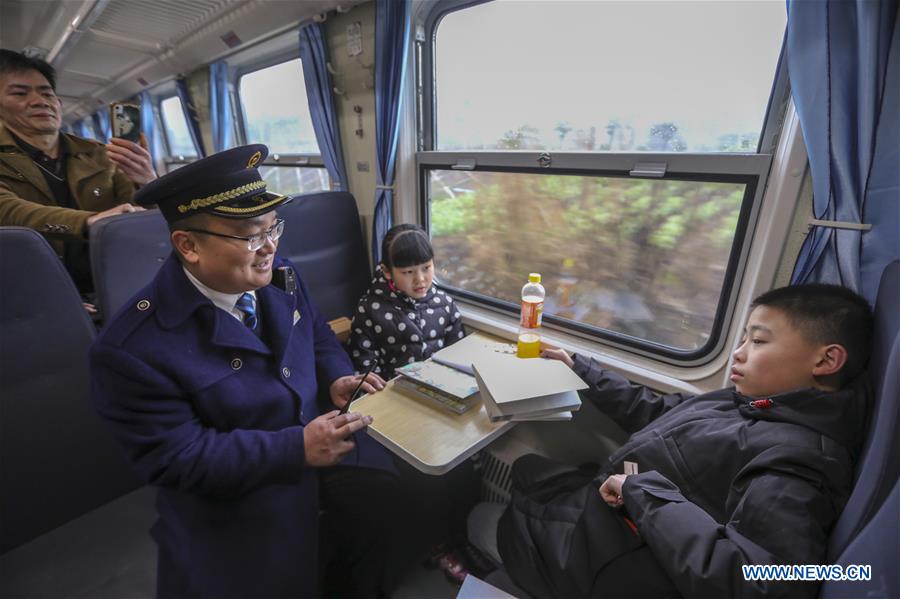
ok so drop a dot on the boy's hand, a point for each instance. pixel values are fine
(611, 490)
(558, 354)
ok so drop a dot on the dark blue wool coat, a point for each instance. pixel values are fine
(215, 418)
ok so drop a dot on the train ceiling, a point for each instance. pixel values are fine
(107, 50)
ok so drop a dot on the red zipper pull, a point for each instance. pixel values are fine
(762, 404)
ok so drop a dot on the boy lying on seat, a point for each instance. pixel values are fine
(757, 473)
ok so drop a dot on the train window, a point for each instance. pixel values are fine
(289, 180)
(178, 138)
(619, 148)
(275, 109)
(606, 76)
(582, 233)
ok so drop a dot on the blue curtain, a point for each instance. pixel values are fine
(314, 56)
(838, 53)
(881, 245)
(220, 112)
(391, 41)
(148, 125)
(102, 130)
(83, 129)
(190, 115)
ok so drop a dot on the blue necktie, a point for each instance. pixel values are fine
(247, 304)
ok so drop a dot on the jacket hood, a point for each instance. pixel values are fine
(840, 415)
(382, 285)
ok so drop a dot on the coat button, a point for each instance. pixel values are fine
(286, 372)
(236, 364)
(143, 304)
(96, 192)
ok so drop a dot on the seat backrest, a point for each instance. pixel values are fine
(877, 546)
(323, 238)
(126, 253)
(878, 468)
(57, 459)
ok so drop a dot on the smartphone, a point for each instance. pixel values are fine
(126, 121)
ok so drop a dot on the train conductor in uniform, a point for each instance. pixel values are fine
(209, 379)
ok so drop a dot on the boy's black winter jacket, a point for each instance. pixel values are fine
(724, 480)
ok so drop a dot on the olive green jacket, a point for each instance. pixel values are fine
(26, 199)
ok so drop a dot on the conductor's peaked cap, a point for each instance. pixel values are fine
(226, 184)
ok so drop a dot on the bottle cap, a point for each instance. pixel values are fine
(534, 277)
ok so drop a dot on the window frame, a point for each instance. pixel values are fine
(281, 159)
(752, 169)
(171, 158)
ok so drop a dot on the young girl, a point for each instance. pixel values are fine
(403, 317)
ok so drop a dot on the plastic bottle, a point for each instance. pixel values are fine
(529, 345)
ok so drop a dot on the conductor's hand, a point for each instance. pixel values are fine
(327, 438)
(342, 388)
(611, 490)
(558, 354)
(132, 159)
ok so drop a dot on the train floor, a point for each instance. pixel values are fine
(98, 557)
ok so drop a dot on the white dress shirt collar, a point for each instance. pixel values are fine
(225, 301)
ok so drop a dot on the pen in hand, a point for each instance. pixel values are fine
(359, 386)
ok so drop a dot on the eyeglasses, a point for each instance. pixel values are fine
(254, 242)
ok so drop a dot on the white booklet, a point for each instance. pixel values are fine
(470, 349)
(525, 389)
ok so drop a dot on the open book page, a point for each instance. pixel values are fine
(470, 349)
(443, 378)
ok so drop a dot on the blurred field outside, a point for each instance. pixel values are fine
(640, 257)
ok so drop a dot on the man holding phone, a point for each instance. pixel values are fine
(126, 121)
(55, 183)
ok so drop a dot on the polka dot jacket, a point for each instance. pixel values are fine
(395, 329)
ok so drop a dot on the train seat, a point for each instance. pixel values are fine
(870, 521)
(58, 462)
(323, 238)
(126, 252)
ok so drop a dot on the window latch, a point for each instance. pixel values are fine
(464, 164)
(649, 169)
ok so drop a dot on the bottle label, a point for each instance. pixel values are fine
(532, 314)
